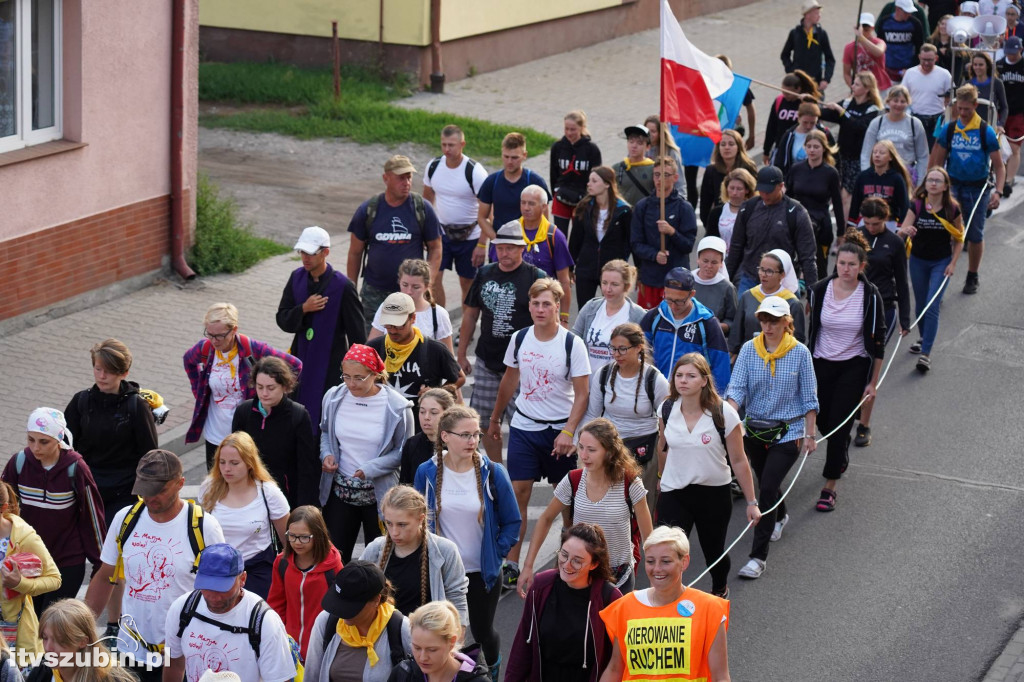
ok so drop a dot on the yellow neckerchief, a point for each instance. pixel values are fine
(395, 354)
(974, 124)
(628, 165)
(783, 293)
(787, 344)
(350, 633)
(810, 37)
(958, 234)
(57, 676)
(229, 360)
(539, 238)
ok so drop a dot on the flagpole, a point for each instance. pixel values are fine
(776, 87)
(662, 131)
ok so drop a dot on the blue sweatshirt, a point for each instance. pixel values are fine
(698, 332)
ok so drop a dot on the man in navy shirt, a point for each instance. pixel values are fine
(499, 195)
(389, 228)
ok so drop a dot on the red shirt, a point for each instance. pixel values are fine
(866, 62)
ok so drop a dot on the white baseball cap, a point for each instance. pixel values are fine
(713, 243)
(906, 5)
(868, 19)
(312, 240)
(775, 306)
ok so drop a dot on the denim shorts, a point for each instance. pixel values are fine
(967, 195)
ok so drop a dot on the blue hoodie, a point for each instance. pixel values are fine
(699, 332)
(501, 513)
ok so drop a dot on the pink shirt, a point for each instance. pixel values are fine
(866, 62)
(842, 326)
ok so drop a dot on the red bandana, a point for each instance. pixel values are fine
(365, 356)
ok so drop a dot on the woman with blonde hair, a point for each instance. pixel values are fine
(436, 637)
(600, 231)
(218, 369)
(69, 627)
(572, 159)
(853, 115)
(887, 179)
(471, 502)
(903, 129)
(599, 316)
(737, 187)
(422, 566)
(249, 505)
(729, 155)
(18, 622)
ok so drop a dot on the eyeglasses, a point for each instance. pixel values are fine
(301, 539)
(575, 562)
(676, 301)
(350, 377)
(768, 271)
(218, 337)
(620, 350)
(468, 435)
(936, 181)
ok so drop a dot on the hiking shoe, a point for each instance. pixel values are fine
(509, 575)
(915, 347)
(722, 593)
(971, 284)
(1007, 190)
(827, 501)
(734, 487)
(924, 363)
(863, 437)
(752, 570)
(779, 525)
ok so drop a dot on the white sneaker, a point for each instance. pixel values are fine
(752, 570)
(779, 525)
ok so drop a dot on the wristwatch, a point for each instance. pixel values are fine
(752, 503)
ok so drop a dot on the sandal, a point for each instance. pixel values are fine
(924, 363)
(827, 501)
(915, 347)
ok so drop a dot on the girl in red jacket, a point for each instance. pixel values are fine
(303, 573)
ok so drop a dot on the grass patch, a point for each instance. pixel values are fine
(223, 242)
(364, 114)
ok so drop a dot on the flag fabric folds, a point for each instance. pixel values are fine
(696, 150)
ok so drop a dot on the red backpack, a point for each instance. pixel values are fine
(575, 476)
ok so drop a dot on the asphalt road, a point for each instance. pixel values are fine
(916, 575)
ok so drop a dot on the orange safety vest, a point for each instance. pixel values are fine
(669, 642)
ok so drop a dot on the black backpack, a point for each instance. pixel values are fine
(569, 336)
(254, 629)
(649, 380)
(470, 166)
(282, 568)
(393, 630)
(717, 416)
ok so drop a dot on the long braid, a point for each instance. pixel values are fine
(437, 487)
(477, 466)
(424, 565)
(389, 546)
(639, 380)
(611, 378)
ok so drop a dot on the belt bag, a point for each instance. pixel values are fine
(767, 431)
(568, 195)
(458, 233)
(642, 447)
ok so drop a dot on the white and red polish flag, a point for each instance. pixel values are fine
(690, 81)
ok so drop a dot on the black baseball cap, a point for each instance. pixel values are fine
(358, 583)
(768, 178)
(679, 279)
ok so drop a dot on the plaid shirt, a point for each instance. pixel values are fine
(198, 366)
(788, 396)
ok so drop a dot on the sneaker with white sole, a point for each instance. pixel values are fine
(752, 570)
(779, 525)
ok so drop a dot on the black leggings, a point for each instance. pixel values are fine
(71, 579)
(691, 185)
(343, 523)
(771, 463)
(709, 507)
(585, 289)
(211, 452)
(482, 607)
(840, 387)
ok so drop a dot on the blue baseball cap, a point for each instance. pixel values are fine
(219, 566)
(679, 279)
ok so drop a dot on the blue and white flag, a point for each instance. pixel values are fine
(696, 150)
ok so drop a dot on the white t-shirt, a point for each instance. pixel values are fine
(225, 395)
(631, 411)
(207, 647)
(361, 420)
(425, 322)
(928, 92)
(455, 201)
(460, 514)
(248, 528)
(726, 223)
(610, 512)
(602, 223)
(157, 565)
(598, 336)
(696, 456)
(544, 392)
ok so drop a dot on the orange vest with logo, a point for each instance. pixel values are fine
(669, 642)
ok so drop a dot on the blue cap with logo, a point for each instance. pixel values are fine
(219, 566)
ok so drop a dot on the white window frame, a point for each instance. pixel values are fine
(24, 135)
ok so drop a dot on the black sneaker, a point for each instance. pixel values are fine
(509, 576)
(863, 437)
(971, 284)
(915, 347)
(1007, 190)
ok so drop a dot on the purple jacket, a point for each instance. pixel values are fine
(198, 366)
(524, 658)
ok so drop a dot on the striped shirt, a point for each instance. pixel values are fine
(788, 396)
(611, 513)
(841, 335)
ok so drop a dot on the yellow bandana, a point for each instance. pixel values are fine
(395, 355)
(57, 676)
(810, 37)
(350, 633)
(539, 238)
(957, 233)
(787, 344)
(630, 166)
(229, 360)
(974, 124)
(784, 294)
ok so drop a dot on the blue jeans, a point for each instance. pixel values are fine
(746, 282)
(967, 195)
(925, 277)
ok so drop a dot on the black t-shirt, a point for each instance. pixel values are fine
(404, 574)
(429, 364)
(932, 241)
(415, 452)
(563, 626)
(1012, 76)
(504, 302)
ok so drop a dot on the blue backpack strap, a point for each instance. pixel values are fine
(19, 462)
(517, 341)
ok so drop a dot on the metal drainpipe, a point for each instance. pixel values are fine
(436, 71)
(178, 140)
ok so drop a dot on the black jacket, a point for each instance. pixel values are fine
(760, 228)
(409, 671)
(285, 441)
(784, 153)
(874, 316)
(112, 432)
(571, 165)
(589, 254)
(887, 270)
(853, 124)
(797, 55)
